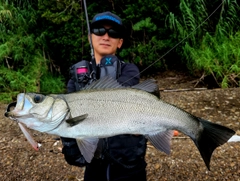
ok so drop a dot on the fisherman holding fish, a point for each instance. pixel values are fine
(105, 125)
(119, 157)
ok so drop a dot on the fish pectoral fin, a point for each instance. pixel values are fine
(87, 147)
(161, 141)
(76, 120)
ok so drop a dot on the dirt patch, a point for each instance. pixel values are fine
(18, 161)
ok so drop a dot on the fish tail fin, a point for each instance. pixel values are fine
(212, 136)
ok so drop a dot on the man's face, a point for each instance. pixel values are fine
(105, 45)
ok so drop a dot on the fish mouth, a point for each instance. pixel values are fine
(14, 109)
(10, 107)
(10, 114)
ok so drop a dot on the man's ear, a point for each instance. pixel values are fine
(120, 42)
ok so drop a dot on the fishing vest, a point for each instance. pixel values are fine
(83, 74)
(124, 150)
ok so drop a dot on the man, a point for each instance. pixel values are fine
(120, 157)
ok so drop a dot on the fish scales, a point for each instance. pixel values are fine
(125, 111)
(106, 109)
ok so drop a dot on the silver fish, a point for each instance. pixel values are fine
(106, 109)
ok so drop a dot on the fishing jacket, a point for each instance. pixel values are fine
(127, 152)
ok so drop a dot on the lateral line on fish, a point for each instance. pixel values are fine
(154, 118)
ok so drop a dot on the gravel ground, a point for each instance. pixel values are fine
(18, 161)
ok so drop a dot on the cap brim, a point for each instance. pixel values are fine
(107, 22)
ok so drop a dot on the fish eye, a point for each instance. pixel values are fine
(38, 98)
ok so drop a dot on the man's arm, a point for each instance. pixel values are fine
(71, 86)
(129, 75)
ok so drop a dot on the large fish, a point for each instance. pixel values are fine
(106, 109)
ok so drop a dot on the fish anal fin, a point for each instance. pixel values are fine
(87, 147)
(74, 121)
(162, 140)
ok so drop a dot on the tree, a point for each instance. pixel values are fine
(23, 61)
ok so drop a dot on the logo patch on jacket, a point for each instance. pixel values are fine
(108, 61)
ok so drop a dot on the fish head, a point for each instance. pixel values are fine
(37, 111)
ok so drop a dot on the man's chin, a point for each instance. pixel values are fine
(105, 53)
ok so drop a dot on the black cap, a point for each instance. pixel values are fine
(109, 18)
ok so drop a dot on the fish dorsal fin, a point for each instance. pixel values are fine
(104, 83)
(110, 83)
(74, 121)
(148, 85)
(161, 140)
(87, 147)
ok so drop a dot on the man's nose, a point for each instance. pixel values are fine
(106, 36)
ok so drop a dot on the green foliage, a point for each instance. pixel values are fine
(213, 48)
(50, 84)
(13, 82)
(218, 57)
(186, 25)
(149, 39)
(145, 24)
(229, 18)
(65, 32)
(22, 55)
(40, 39)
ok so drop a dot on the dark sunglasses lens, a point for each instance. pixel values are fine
(99, 31)
(114, 34)
(102, 31)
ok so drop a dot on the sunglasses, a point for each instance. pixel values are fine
(102, 31)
